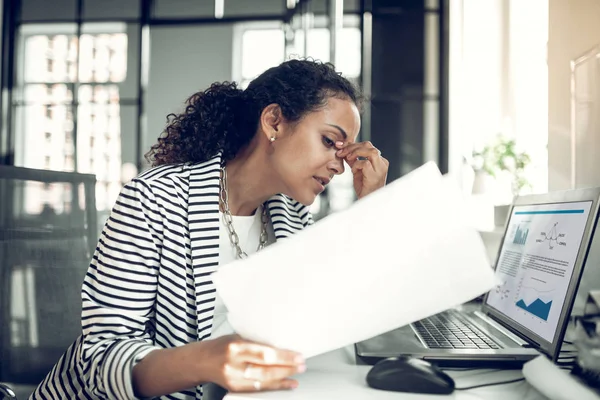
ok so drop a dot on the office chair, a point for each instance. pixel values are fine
(48, 233)
(6, 392)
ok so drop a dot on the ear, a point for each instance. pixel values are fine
(271, 120)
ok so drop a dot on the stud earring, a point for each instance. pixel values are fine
(272, 138)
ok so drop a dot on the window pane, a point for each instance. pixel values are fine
(184, 9)
(320, 6)
(349, 52)
(99, 140)
(110, 53)
(49, 58)
(242, 8)
(103, 50)
(129, 121)
(349, 48)
(261, 49)
(318, 44)
(48, 93)
(44, 137)
(103, 57)
(113, 9)
(44, 10)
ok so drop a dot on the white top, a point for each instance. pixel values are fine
(248, 229)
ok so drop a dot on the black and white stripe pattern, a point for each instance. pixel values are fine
(148, 285)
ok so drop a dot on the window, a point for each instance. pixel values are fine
(261, 50)
(348, 48)
(529, 71)
(63, 77)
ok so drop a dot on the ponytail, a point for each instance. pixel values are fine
(221, 118)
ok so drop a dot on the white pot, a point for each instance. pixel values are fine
(483, 183)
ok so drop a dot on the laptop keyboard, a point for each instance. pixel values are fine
(450, 330)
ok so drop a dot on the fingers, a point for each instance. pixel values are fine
(368, 168)
(262, 373)
(280, 385)
(258, 367)
(260, 354)
(346, 148)
(258, 386)
(362, 165)
(362, 150)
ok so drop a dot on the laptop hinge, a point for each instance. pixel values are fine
(501, 328)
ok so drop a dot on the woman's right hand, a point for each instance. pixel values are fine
(244, 366)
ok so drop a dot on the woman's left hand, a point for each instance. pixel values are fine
(368, 166)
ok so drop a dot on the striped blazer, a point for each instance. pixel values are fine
(149, 285)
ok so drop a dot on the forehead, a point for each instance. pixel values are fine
(340, 113)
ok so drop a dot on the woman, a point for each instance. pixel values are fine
(233, 173)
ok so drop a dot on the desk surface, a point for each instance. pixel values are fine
(335, 375)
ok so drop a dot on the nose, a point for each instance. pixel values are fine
(336, 166)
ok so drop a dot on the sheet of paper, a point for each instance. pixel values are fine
(398, 255)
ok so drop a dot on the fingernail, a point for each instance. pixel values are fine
(339, 152)
(301, 368)
(293, 385)
(339, 144)
(299, 359)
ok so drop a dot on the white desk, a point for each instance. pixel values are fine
(335, 375)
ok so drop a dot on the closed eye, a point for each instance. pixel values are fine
(328, 142)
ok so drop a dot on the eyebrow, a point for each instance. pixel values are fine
(343, 132)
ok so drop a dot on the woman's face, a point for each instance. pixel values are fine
(304, 155)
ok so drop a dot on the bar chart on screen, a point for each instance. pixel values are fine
(520, 235)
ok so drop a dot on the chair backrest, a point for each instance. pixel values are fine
(48, 233)
(7, 393)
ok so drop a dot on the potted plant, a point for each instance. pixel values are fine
(499, 161)
(501, 156)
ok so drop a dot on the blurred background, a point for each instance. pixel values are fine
(502, 94)
(88, 83)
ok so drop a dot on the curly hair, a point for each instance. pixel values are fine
(224, 118)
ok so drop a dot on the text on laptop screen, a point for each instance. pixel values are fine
(536, 263)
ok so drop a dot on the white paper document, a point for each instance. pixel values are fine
(398, 255)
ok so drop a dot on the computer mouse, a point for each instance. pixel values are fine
(408, 374)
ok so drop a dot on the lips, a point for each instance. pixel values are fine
(322, 182)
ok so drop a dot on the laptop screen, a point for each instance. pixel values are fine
(536, 262)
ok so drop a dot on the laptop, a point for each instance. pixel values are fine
(538, 269)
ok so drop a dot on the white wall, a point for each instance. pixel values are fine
(574, 28)
(183, 60)
(498, 81)
(477, 81)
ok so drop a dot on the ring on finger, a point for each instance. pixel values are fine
(256, 385)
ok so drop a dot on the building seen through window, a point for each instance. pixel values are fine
(57, 85)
